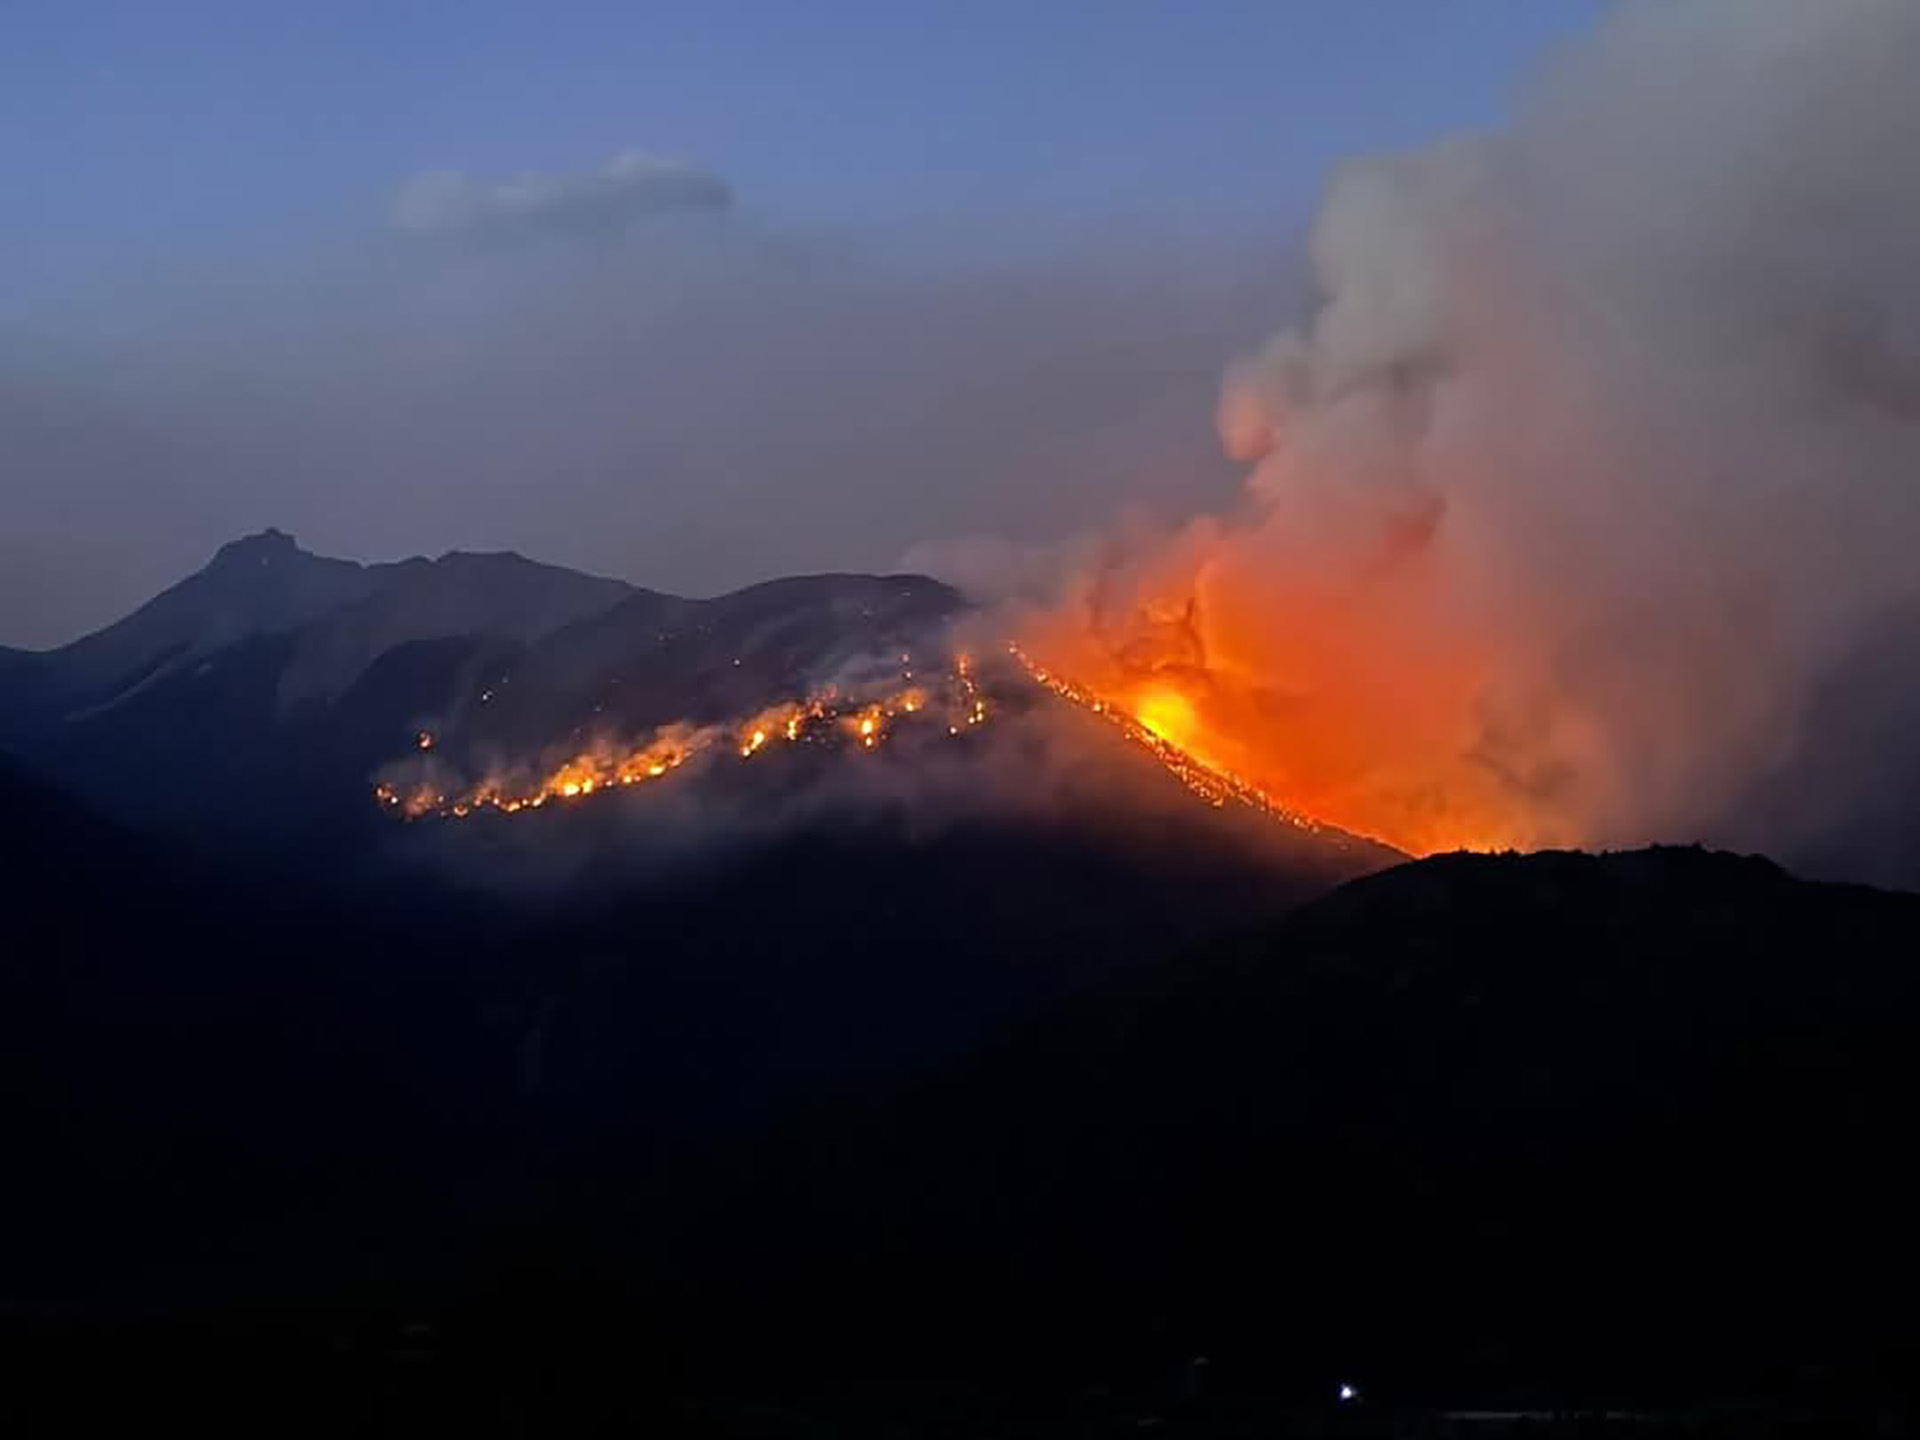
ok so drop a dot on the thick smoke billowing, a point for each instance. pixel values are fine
(1599, 453)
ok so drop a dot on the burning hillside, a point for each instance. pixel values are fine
(1158, 727)
(1371, 749)
(859, 719)
(955, 702)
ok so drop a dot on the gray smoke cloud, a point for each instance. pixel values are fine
(1597, 459)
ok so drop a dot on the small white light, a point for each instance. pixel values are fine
(1348, 1394)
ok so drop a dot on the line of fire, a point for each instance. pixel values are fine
(956, 700)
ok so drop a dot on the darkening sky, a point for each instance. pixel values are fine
(689, 293)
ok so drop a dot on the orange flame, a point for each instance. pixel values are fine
(1164, 715)
(788, 723)
(1358, 756)
(1212, 784)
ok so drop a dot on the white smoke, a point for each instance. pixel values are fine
(1616, 412)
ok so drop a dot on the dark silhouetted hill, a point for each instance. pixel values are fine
(1561, 1126)
(207, 1087)
(1550, 1128)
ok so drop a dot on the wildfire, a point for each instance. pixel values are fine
(1199, 720)
(1167, 713)
(1160, 719)
(817, 718)
(1149, 727)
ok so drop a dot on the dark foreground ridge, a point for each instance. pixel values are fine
(1480, 1132)
(1623, 1128)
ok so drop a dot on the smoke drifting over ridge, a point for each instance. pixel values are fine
(1599, 452)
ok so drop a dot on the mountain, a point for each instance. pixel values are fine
(262, 585)
(48, 843)
(655, 659)
(989, 1059)
(834, 955)
(204, 1082)
(268, 1051)
(254, 1130)
(344, 615)
(1621, 1128)
(503, 596)
(249, 710)
(258, 697)
(904, 902)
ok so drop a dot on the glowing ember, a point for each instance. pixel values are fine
(814, 719)
(1161, 720)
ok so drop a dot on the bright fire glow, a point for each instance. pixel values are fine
(815, 719)
(1216, 786)
(1378, 754)
(1161, 719)
(1168, 714)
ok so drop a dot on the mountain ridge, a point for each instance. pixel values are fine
(264, 687)
(1336, 1147)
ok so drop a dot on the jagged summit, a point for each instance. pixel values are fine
(263, 547)
(266, 584)
(261, 584)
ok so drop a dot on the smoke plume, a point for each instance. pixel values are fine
(1599, 451)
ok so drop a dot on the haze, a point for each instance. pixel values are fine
(689, 295)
